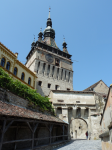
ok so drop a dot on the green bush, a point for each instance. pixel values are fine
(16, 87)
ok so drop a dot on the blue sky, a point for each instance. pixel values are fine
(86, 25)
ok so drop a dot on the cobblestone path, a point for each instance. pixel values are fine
(82, 145)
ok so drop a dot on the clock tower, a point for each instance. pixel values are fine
(52, 65)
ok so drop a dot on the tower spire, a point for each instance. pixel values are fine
(49, 22)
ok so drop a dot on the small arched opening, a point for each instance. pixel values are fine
(79, 128)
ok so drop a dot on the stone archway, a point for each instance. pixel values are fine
(79, 128)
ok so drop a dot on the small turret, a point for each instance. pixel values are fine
(40, 35)
(64, 46)
(33, 43)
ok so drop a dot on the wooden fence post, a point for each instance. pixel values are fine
(63, 131)
(51, 127)
(2, 135)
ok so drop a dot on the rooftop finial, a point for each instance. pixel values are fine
(63, 38)
(49, 12)
(34, 38)
(41, 29)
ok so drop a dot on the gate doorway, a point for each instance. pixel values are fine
(80, 127)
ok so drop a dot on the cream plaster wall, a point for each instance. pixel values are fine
(73, 98)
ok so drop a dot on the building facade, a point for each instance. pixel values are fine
(52, 66)
(10, 63)
(106, 123)
(81, 109)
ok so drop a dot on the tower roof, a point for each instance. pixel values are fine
(49, 31)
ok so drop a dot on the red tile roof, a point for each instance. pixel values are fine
(12, 110)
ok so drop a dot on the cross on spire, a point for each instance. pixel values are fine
(49, 12)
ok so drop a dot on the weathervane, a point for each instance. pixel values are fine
(49, 8)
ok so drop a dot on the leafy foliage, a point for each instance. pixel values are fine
(22, 90)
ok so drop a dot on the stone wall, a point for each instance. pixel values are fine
(82, 110)
(95, 127)
(48, 73)
(9, 97)
(101, 88)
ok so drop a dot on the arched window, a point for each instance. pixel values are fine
(15, 71)
(29, 81)
(8, 65)
(22, 76)
(3, 62)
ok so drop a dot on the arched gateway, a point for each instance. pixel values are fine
(79, 128)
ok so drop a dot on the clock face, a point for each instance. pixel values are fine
(49, 58)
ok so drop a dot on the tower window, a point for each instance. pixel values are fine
(44, 68)
(48, 71)
(62, 74)
(38, 67)
(40, 83)
(8, 65)
(68, 89)
(57, 87)
(53, 71)
(15, 71)
(49, 85)
(69, 77)
(57, 62)
(3, 62)
(57, 72)
(65, 75)
(22, 76)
